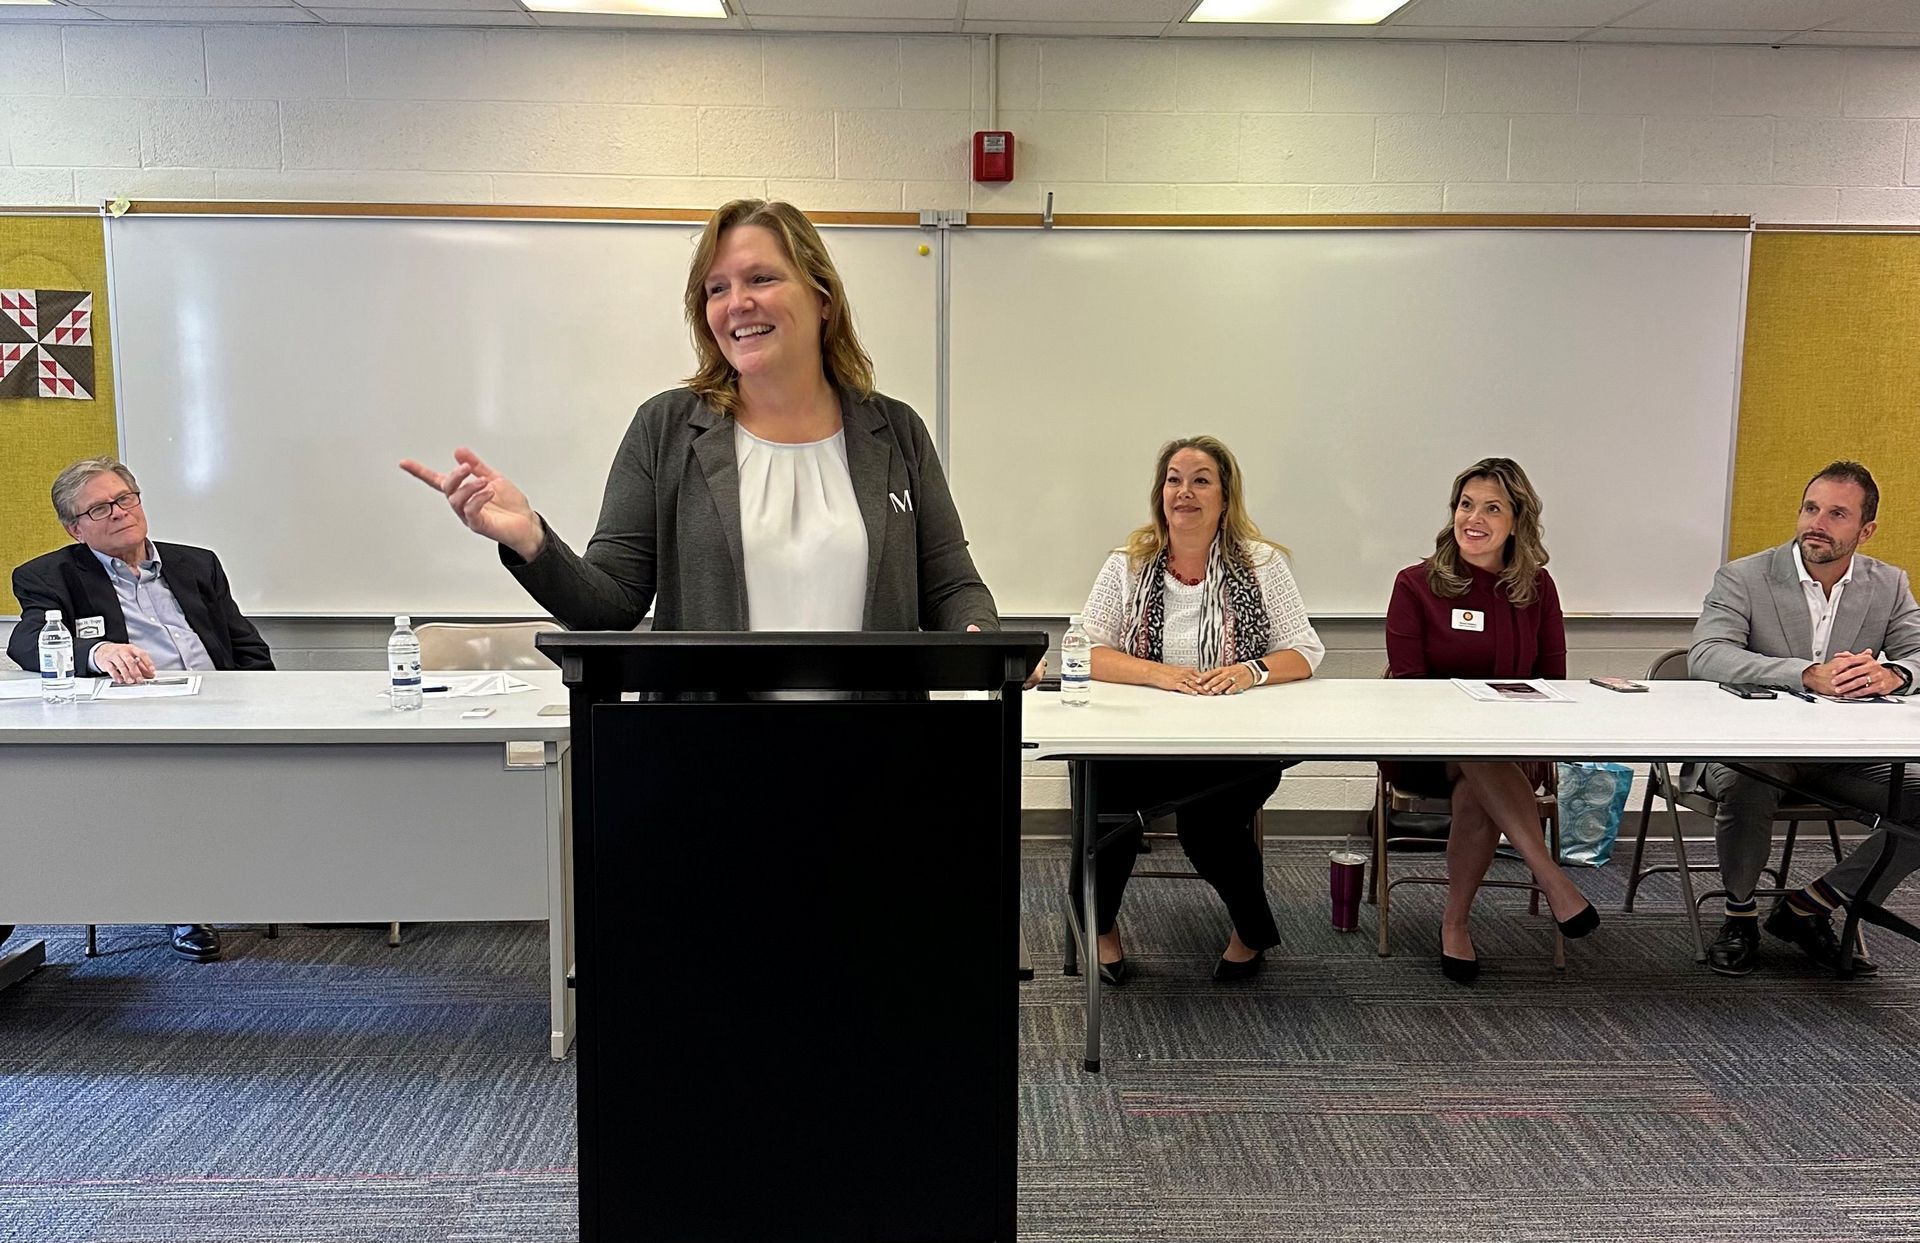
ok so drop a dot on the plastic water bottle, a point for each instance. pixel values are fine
(403, 665)
(56, 661)
(1076, 665)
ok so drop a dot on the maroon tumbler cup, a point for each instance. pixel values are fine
(1346, 872)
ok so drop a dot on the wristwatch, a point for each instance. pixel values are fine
(1258, 668)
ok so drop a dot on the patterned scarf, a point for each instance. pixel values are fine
(1234, 625)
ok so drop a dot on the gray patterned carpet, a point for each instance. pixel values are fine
(323, 1087)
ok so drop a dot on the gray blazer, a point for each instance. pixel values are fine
(669, 531)
(1754, 626)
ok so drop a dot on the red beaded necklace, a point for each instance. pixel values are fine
(1178, 577)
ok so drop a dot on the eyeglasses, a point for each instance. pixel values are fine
(128, 503)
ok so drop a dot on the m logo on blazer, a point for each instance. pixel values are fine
(902, 500)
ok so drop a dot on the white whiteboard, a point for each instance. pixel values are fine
(1353, 373)
(272, 371)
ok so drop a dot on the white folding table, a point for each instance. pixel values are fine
(291, 797)
(1375, 719)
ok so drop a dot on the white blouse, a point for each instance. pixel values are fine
(1112, 599)
(801, 533)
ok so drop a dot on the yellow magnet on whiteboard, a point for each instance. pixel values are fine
(924, 250)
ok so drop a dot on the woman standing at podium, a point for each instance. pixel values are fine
(776, 491)
(1484, 606)
(1198, 602)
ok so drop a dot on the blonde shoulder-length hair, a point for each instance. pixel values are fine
(1239, 536)
(845, 362)
(1526, 551)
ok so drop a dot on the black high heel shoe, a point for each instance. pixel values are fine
(1459, 970)
(1580, 925)
(1114, 974)
(1227, 970)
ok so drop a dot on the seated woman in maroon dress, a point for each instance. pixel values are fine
(1484, 606)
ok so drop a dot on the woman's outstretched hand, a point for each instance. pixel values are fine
(485, 501)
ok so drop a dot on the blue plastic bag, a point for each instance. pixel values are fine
(1592, 799)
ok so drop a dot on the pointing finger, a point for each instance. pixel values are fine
(425, 474)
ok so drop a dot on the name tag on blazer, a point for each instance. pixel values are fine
(90, 628)
(1469, 619)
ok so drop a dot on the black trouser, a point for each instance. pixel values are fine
(1216, 831)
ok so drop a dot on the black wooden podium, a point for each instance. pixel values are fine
(796, 918)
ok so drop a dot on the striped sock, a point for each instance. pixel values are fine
(1750, 909)
(1816, 899)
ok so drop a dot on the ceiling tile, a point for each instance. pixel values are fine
(421, 17)
(1614, 34)
(283, 15)
(389, 5)
(104, 5)
(1107, 11)
(1454, 34)
(1789, 15)
(1519, 13)
(1888, 15)
(854, 25)
(915, 10)
(1269, 30)
(46, 13)
(632, 21)
(1855, 38)
(1069, 29)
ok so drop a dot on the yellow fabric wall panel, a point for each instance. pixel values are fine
(41, 435)
(1831, 370)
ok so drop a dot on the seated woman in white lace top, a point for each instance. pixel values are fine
(1197, 602)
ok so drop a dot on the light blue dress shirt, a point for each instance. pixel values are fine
(155, 622)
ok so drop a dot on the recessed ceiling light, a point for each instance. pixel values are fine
(1316, 12)
(715, 9)
(26, 1)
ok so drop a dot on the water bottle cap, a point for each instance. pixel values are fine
(53, 614)
(403, 620)
(1073, 619)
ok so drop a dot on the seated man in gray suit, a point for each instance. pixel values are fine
(133, 606)
(1811, 614)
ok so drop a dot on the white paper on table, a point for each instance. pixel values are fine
(485, 684)
(163, 687)
(29, 688)
(1511, 690)
(474, 686)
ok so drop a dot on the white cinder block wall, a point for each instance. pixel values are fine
(91, 112)
(854, 122)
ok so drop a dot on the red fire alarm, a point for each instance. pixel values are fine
(993, 155)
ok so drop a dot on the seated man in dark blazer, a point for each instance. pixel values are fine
(1814, 615)
(133, 606)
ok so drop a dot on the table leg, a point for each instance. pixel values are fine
(1086, 814)
(1680, 860)
(1025, 971)
(559, 904)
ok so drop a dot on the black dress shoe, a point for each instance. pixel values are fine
(1459, 970)
(1580, 925)
(1115, 972)
(196, 941)
(1733, 952)
(1227, 969)
(1814, 935)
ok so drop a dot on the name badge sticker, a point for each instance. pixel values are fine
(1469, 619)
(90, 628)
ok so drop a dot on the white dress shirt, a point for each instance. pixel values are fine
(801, 532)
(1821, 607)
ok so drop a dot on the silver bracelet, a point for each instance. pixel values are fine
(1259, 675)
